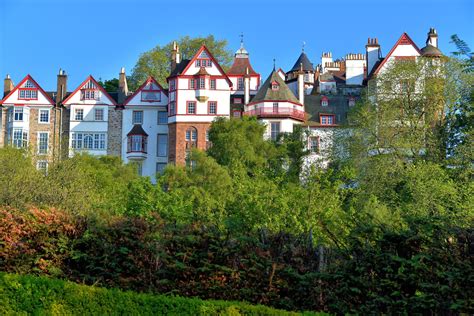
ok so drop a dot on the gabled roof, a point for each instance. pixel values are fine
(98, 86)
(178, 70)
(266, 93)
(28, 77)
(211, 57)
(148, 80)
(303, 59)
(403, 40)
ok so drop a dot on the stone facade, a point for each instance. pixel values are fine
(114, 136)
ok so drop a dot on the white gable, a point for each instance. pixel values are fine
(89, 93)
(203, 60)
(27, 93)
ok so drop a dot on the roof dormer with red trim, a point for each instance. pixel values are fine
(89, 92)
(150, 93)
(28, 92)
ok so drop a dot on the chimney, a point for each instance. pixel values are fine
(246, 86)
(301, 84)
(61, 86)
(373, 53)
(123, 87)
(432, 38)
(326, 58)
(175, 56)
(7, 85)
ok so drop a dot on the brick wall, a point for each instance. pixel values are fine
(177, 140)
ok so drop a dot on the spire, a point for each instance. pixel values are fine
(241, 52)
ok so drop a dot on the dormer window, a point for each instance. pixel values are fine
(28, 91)
(90, 91)
(151, 93)
(327, 119)
(275, 86)
(324, 101)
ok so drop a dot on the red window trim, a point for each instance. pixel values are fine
(187, 107)
(200, 62)
(145, 90)
(215, 84)
(319, 143)
(23, 89)
(209, 107)
(189, 84)
(327, 115)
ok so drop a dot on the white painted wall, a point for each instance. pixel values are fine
(355, 71)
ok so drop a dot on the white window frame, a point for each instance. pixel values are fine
(39, 116)
(39, 162)
(76, 114)
(98, 111)
(165, 117)
(135, 122)
(38, 142)
(159, 153)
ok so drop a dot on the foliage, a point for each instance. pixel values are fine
(111, 85)
(156, 62)
(27, 294)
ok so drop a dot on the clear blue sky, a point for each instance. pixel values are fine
(99, 36)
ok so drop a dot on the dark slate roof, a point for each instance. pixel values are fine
(114, 95)
(239, 66)
(303, 59)
(431, 51)
(282, 94)
(338, 105)
(137, 129)
(180, 67)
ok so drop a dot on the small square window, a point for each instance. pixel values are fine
(79, 114)
(191, 107)
(44, 116)
(137, 117)
(99, 114)
(162, 117)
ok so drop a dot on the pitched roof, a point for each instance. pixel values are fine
(98, 87)
(403, 40)
(137, 129)
(28, 77)
(266, 93)
(180, 67)
(239, 67)
(303, 59)
(148, 80)
(338, 106)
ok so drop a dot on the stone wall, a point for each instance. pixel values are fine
(114, 137)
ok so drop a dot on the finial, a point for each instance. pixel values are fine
(302, 49)
(8, 76)
(122, 70)
(274, 60)
(241, 39)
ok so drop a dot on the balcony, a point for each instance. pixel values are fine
(269, 112)
(136, 155)
(202, 95)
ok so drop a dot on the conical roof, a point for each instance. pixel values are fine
(303, 59)
(266, 93)
(431, 51)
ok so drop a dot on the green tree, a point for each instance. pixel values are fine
(156, 62)
(110, 85)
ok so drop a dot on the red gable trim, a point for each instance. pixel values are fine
(203, 47)
(22, 82)
(403, 40)
(150, 78)
(97, 84)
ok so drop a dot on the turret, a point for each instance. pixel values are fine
(432, 38)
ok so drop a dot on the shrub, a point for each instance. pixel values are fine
(40, 295)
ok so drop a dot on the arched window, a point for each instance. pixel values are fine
(191, 134)
(88, 142)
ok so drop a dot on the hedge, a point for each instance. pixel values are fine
(24, 294)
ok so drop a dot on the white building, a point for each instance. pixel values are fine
(89, 106)
(145, 128)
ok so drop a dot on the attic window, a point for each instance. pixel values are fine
(89, 91)
(28, 92)
(275, 86)
(150, 93)
(327, 119)
(324, 101)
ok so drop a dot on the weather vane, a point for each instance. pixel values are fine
(274, 60)
(304, 43)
